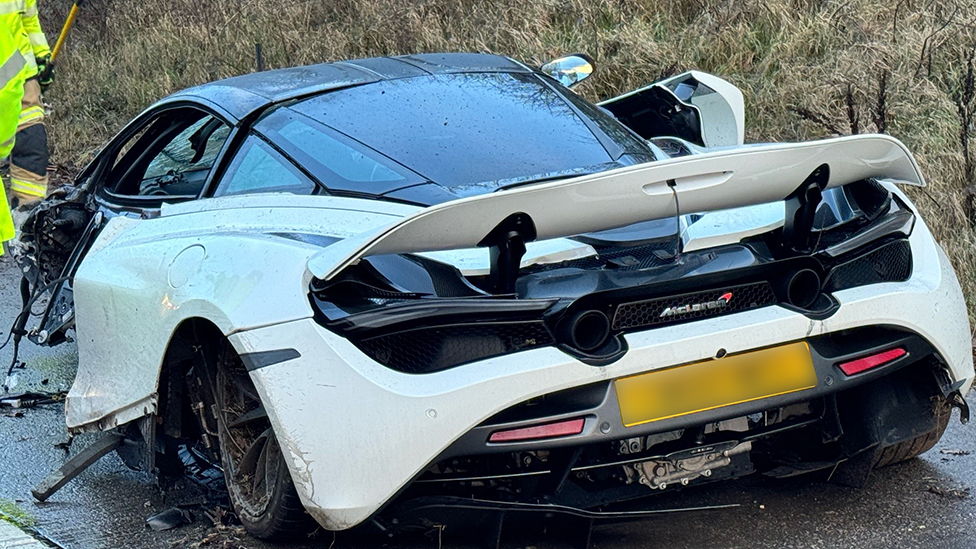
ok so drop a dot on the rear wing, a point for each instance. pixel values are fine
(717, 180)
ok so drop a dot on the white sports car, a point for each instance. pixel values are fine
(437, 282)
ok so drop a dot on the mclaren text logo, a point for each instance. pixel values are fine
(720, 303)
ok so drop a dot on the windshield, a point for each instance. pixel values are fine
(473, 133)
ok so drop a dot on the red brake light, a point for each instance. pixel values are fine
(871, 361)
(536, 432)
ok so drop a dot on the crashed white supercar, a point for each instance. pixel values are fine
(447, 281)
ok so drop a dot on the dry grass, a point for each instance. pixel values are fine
(808, 68)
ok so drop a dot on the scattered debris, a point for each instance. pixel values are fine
(226, 533)
(174, 517)
(950, 492)
(30, 400)
(200, 470)
(71, 468)
(955, 452)
(220, 516)
(221, 537)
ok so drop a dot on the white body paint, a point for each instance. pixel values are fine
(354, 432)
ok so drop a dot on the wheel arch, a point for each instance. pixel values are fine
(193, 339)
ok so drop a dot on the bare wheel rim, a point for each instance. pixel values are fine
(249, 451)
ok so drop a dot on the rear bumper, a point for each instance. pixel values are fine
(599, 407)
(355, 432)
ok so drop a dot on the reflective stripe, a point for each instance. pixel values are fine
(29, 189)
(31, 11)
(30, 114)
(11, 6)
(37, 38)
(35, 110)
(11, 68)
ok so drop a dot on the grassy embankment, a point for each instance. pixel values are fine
(808, 68)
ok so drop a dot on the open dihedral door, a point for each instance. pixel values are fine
(698, 107)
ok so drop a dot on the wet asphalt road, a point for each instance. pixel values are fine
(929, 502)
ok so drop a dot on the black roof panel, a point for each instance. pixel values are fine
(243, 95)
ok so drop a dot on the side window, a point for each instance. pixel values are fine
(337, 161)
(347, 162)
(258, 168)
(193, 149)
(171, 156)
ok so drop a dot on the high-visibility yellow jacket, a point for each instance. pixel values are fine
(19, 17)
(12, 74)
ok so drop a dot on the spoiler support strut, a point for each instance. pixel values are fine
(506, 245)
(801, 209)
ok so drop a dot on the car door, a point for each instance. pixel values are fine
(694, 106)
(167, 155)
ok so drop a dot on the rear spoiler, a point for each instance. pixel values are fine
(716, 180)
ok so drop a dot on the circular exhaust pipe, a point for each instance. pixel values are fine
(587, 330)
(803, 288)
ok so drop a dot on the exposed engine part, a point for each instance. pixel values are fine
(637, 445)
(687, 465)
(51, 232)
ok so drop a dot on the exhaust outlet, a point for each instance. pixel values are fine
(803, 288)
(586, 331)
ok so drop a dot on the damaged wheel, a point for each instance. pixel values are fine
(258, 481)
(914, 447)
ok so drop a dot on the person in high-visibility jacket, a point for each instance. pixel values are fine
(28, 160)
(13, 67)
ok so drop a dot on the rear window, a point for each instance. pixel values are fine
(468, 132)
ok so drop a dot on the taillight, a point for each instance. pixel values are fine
(536, 432)
(866, 363)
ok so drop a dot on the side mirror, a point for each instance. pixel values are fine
(720, 106)
(569, 70)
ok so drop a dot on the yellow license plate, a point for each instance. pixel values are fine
(715, 383)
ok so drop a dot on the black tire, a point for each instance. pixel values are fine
(258, 482)
(914, 447)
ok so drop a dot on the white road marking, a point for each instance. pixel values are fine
(12, 537)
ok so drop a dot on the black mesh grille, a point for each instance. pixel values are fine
(693, 306)
(437, 348)
(889, 263)
(611, 257)
(869, 195)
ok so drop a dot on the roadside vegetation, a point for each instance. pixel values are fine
(12, 513)
(808, 68)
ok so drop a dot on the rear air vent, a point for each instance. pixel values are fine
(889, 263)
(437, 348)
